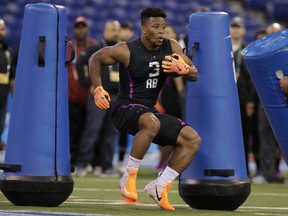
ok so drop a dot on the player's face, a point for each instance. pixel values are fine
(153, 29)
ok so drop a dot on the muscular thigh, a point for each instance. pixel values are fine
(169, 130)
(125, 117)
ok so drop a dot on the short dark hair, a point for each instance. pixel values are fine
(151, 12)
(260, 32)
(127, 25)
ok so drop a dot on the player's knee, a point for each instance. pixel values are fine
(190, 139)
(152, 127)
(150, 124)
(196, 141)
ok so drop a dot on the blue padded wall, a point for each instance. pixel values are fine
(264, 58)
(217, 177)
(38, 138)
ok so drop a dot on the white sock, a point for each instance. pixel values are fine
(133, 164)
(168, 176)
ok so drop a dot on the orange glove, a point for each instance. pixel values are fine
(175, 63)
(101, 98)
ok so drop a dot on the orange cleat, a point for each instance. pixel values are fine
(132, 202)
(128, 186)
(160, 194)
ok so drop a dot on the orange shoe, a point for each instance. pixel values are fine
(160, 194)
(128, 185)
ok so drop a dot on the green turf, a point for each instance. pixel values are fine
(102, 196)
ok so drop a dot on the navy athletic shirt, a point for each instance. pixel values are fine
(143, 79)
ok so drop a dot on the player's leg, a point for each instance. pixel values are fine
(165, 152)
(186, 142)
(140, 121)
(149, 126)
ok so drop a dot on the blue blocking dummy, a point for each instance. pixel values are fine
(217, 177)
(267, 62)
(37, 161)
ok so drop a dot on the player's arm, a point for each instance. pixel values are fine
(106, 56)
(190, 71)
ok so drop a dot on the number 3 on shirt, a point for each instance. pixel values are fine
(152, 81)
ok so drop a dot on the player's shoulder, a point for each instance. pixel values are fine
(172, 41)
(134, 43)
(128, 46)
(120, 47)
(175, 46)
(121, 53)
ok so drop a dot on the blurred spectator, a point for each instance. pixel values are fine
(255, 128)
(273, 27)
(78, 95)
(269, 149)
(173, 88)
(261, 33)
(97, 143)
(7, 76)
(126, 34)
(203, 9)
(245, 88)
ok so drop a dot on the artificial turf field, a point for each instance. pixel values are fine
(101, 196)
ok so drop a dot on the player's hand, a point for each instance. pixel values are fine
(101, 98)
(175, 63)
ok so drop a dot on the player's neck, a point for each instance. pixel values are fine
(148, 45)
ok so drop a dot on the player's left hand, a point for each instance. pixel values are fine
(175, 63)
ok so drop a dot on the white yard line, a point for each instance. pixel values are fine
(269, 194)
(264, 208)
(270, 214)
(122, 202)
(42, 213)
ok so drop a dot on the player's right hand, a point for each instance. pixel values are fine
(101, 98)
